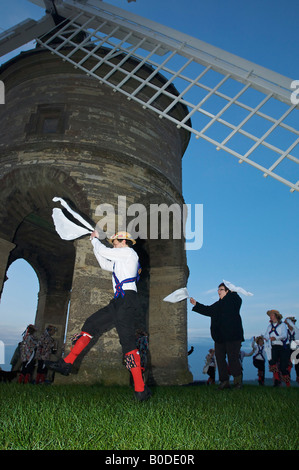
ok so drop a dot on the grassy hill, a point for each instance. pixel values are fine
(77, 417)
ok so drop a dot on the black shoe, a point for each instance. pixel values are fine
(145, 395)
(60, 366)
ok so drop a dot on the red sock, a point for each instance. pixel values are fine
(286, 379)
(276, 376)
(135, 368)
(80, 344)
(27, 378)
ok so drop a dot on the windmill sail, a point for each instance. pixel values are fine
(240, 108)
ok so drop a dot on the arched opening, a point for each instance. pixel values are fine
(27, 232)
(18, 306)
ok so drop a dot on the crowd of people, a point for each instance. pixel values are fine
(279, 345)
(32, 354)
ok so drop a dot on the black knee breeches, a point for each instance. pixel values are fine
(119, 313)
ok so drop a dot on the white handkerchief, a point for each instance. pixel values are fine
(177, 295)
(233, 288)
(75, 214)
(295, 344)
(66, 229)
(268, 349)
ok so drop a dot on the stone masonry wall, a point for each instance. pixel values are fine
(100, 146)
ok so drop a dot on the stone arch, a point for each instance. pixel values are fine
(27, 190)
(27, 232)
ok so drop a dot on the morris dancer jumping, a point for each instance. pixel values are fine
(122, 261)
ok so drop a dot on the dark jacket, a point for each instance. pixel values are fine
(226, 322)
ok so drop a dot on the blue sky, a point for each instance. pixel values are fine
(250, 224)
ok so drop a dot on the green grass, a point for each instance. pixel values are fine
(77, 417)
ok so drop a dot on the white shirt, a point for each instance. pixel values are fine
(122, 261)
(282, 332)
(295, 342)
(259, 352)
(295, 329)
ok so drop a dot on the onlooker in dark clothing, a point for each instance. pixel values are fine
(226, 331)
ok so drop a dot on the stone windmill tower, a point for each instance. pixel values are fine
(103, 108)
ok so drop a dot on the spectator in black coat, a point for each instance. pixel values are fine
(227, 332)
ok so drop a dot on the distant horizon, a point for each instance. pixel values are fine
(250, 228)
(196, 362)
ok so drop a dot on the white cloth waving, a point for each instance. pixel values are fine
(66, 228)
(177, 295)
(233, 288)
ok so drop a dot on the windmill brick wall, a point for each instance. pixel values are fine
(63, 134)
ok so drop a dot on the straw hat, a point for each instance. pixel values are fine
(276, 313)
(121, 236)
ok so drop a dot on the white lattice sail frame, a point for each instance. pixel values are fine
(246, 110)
